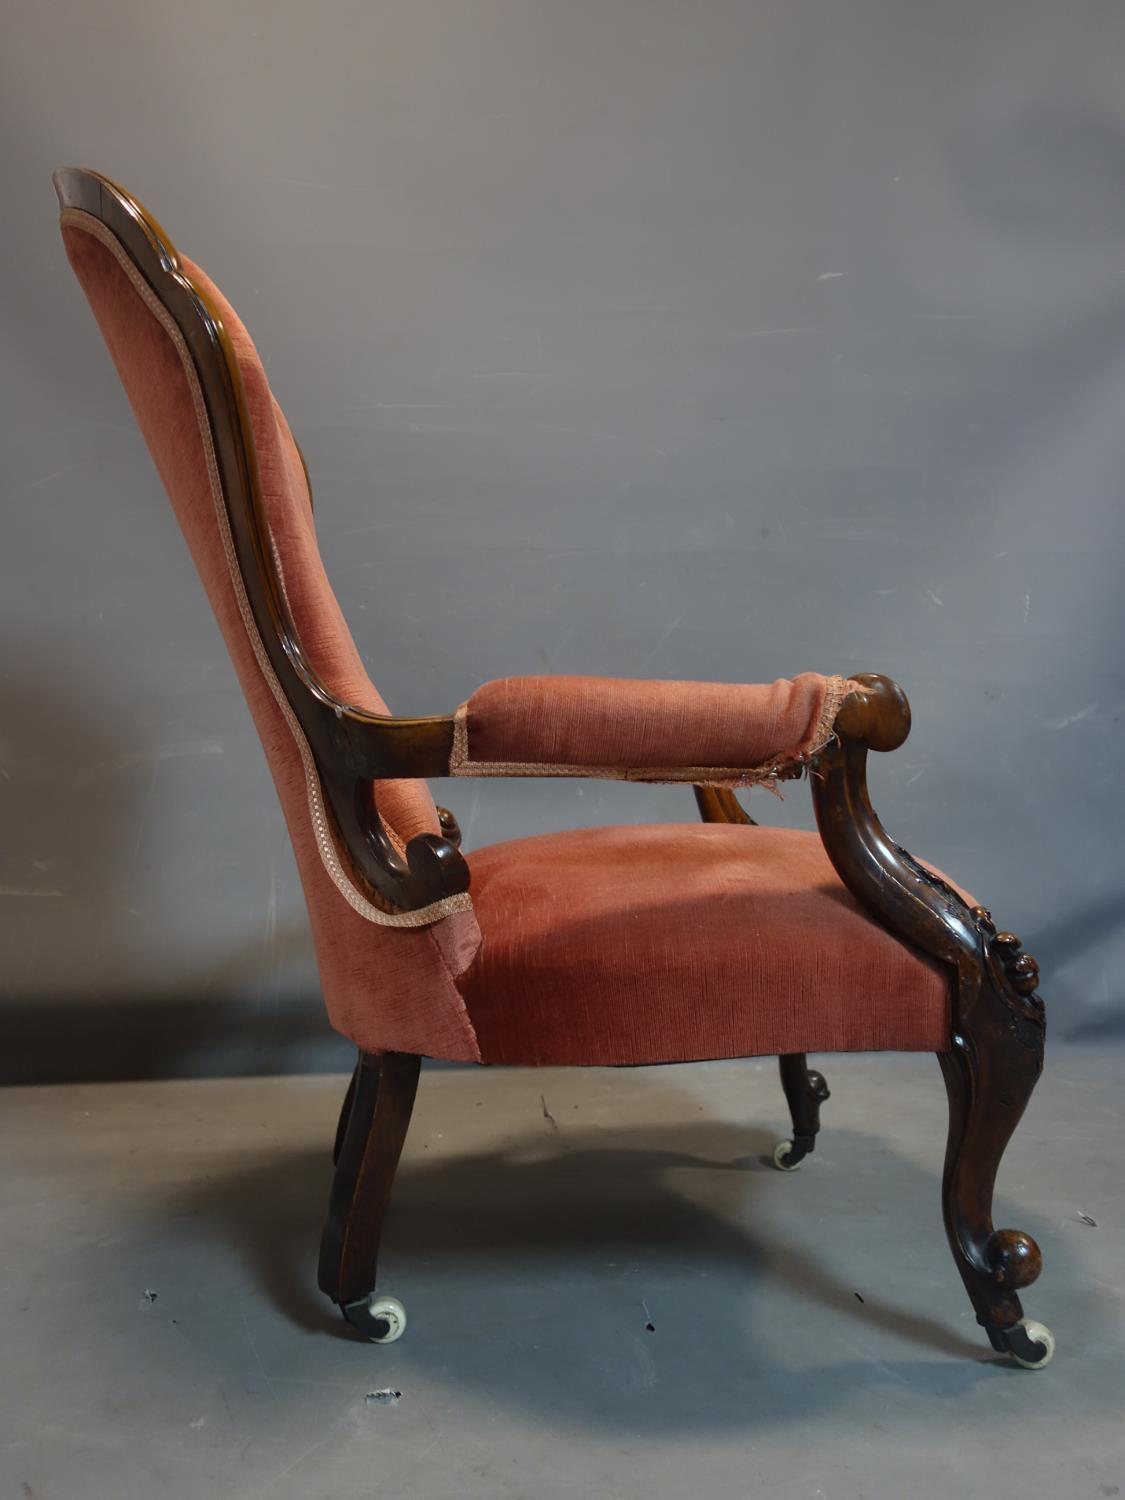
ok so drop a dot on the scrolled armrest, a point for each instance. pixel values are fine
(875, 713)
(620, 729)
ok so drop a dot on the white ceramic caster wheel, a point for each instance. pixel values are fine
(781, 1157)
(1038, 1333)
(389, 1311)
(380, 1319)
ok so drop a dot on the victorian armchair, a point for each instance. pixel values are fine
(604, 946)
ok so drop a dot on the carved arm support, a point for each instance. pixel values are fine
(913, 902)
(893, 886)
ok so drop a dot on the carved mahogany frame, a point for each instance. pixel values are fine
(996, 1043)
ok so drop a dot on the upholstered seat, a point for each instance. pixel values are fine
(682, 941)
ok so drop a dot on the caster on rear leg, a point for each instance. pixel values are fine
(805, 1091)
(788, 1155)
(380, 1319)
(1029, 1343)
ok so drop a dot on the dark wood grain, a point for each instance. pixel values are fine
(382, 1100)
(345, 1116)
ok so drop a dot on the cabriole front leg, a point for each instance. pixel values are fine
(993, 1066)
(997, 1023)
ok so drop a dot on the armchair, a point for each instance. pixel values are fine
(602, 946)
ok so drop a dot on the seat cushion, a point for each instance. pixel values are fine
(681, 941)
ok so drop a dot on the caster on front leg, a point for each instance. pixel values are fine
(1030, 1344)
(378, 1318)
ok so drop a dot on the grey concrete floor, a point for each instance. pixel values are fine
(163, 1335)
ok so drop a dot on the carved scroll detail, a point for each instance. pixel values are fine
(1014, 975)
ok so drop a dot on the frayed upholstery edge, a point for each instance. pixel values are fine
(459, 753)
(836, 690)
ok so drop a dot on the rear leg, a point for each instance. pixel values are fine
(805, 1091)
(376, 1118)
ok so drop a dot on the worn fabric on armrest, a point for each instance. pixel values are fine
(614, 728)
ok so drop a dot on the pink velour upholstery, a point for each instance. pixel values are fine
(645, 730)
(680, 941)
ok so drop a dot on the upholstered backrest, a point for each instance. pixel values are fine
(389, 977)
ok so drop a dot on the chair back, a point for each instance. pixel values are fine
(387, 895)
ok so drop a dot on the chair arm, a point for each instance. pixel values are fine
(709, 733)
(717, 736)
(712, 734)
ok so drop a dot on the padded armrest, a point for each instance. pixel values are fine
(710, 733)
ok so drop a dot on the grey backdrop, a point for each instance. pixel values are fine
(707, 340)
